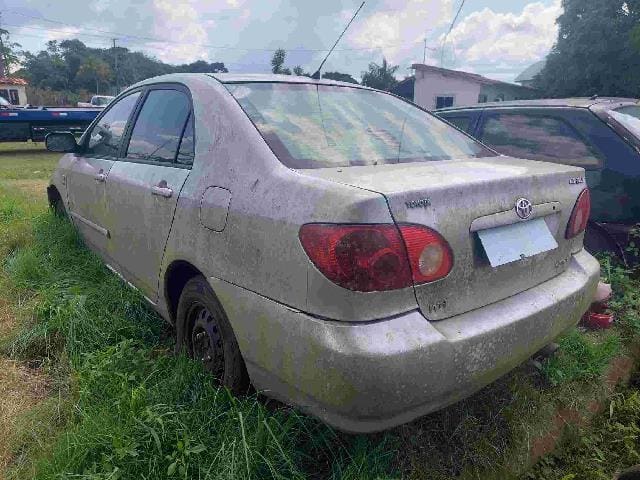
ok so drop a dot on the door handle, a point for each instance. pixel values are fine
(161, 190)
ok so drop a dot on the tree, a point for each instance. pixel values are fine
(277, 62)
(47, 68)
(94, 70)
(595, 50)
(9, 53)
(380, 76)
(341, 77)
(71, 65)
(635, 37)
(201, 66)
(298, 70)
(73, 52)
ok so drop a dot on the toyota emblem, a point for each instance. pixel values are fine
(524, 208)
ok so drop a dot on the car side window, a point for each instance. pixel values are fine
(462, 122)
(538, 137)
(106, 135)
(158, 129)
(186, 151)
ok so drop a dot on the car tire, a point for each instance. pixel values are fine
(59, 210)
(209, 337)
(57, 206)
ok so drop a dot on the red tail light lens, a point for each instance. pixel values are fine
(580, 215)
(377, 257)
(430, 255)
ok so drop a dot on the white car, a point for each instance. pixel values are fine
(342, 249)
(99, 101)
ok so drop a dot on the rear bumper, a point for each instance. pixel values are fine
(371, 376)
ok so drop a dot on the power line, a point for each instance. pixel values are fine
(110, 34)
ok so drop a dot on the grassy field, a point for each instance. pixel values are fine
(91, 390)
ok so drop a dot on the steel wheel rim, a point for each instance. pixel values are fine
(206, 340)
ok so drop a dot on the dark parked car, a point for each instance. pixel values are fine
(602, 135)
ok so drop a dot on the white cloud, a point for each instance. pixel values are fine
(397, 30)
(487, 37)
(184, 27)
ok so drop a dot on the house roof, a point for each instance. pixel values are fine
(531, 71)
(13, 81)
(472, 77)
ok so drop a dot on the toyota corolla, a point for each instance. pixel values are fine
(339, 248)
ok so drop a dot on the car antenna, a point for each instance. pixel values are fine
(316, 76)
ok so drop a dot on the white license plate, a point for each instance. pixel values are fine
(511, 243)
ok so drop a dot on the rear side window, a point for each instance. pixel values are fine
(158, 129)
(186, 151)
(318, 126)
(106, 135)
(538, 137)
(462, 122)
(629, 117)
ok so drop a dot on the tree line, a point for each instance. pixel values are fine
(72, 66)
(377, 76)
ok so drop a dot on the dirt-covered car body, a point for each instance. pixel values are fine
(356, 282)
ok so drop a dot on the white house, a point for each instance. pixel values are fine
(14, 90)
(433, 87)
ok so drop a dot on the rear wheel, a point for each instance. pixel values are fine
(209, 337)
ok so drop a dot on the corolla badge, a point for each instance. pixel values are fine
(524, 208)
(420, 203)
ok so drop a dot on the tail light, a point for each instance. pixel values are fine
(376, 257)
(580, 215)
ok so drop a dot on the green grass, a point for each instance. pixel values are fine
(26, 161)
(581, 356)
(123, 406)
(138, 411)
(596, 452)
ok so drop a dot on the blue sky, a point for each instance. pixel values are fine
(496, 38)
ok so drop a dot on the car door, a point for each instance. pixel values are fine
(459, 120)
(86, 178)
(143, 186)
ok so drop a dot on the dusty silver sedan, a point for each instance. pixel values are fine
(339, 248)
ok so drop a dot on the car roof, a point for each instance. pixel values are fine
(243, 77)
(577, 102)
(272, 77)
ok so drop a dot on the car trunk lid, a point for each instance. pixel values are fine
(458, 199)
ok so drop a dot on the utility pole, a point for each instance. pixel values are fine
(424, 55)
(115, 54)
(3, 63)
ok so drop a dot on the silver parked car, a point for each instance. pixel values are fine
(338, 247)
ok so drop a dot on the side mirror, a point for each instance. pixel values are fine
(62, 142)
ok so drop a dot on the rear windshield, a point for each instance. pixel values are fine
(318, 126)
(629, 117)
